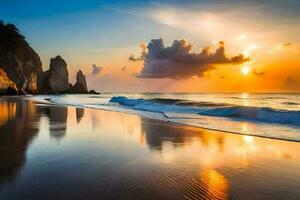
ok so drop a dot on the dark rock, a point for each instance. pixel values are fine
(71, 88)
(32, 87)
(81, 80)
(20, 62)
(42, 82)
(23, 68)
(12, 90)
(80, 86)
(93, 92)
(7, 87)
(56, 79)
(79, 114)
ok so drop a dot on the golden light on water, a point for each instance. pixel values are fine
(248, 139)
(7, 112)
(216, 185)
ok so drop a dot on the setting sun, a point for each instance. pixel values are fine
(245, 70)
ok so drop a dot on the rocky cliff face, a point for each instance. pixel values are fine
(20, 62)
(6, 85)
(22, 71)
(80, 85)
(56, 79)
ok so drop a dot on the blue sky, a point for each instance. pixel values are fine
(59, 26)
(105, 33)
(113, 23)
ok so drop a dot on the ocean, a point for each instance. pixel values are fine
(267, 115)
(52, 151)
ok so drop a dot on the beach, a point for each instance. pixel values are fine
(149, 100)
(66, 152)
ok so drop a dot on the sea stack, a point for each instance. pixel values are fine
(56, 79)
(80, 86)
(22, 73)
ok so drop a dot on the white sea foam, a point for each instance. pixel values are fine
(261, 114)
(223, 116)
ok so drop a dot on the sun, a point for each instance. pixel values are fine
(245, 70)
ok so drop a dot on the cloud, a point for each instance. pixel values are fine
(133, 58)
(178, 62)
(280, 47)
(258, 73)
(96, 69)
(143, 46)
(287, 44)
(243, 36)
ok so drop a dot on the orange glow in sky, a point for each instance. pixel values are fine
(270, 38)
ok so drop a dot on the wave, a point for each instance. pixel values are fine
(260, 114)
(182, 102)
(290, 103)
(256, 121)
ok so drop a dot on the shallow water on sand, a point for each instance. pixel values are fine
(56, 152)
(267, 115)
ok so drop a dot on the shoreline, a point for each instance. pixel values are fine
(163, 119)
(128, 156)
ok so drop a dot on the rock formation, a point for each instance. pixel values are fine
(6, 85)
(93, 92)
(20, 62)
(22, 71)
(80, 86)
(56, 79)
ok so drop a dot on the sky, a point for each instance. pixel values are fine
(167, 46)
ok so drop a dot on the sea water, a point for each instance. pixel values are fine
(265, 115)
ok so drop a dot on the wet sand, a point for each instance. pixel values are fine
(56, 152)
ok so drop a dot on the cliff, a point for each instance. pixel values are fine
(22, 71)
(20, 62)
(6, 85)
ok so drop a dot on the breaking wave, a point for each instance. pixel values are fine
(261, 114)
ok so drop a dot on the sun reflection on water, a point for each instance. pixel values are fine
(245, 99)
(248, 139)
(215, 184)
(7, 111)
(163, 158)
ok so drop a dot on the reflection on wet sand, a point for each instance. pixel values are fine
(18, 126)
(8, 111)
(210, 184)
(215, 184)
(16, 133)
(157, 133)
(122, 156)
(79, 114)
(57, 120)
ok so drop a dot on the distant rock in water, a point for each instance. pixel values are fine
(56, 79)
(20, 62)
(80, 86)
(93, 92)
(7, 87)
